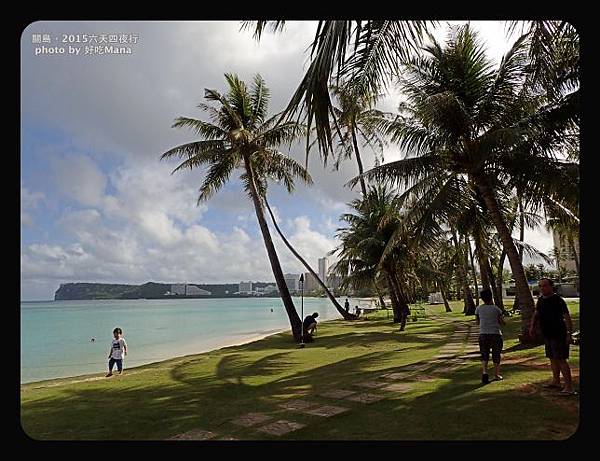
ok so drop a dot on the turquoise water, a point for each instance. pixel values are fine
(55, 335)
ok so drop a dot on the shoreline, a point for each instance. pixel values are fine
(50, 382)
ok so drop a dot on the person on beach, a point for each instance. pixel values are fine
(118, 347)
(347, 305)
(310, 325)
(553, 315)
(489, 318)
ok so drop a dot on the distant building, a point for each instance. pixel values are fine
(323, 269)
(245, 287)
(292, 281)
(178, 289)
(270, 288)
(564, 252)
(191, 290)
(310, 282)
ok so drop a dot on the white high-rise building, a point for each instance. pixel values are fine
(245, 287)
(323, 269)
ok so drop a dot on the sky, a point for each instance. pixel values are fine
(98, 205)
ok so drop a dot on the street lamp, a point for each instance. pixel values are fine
(302, 310)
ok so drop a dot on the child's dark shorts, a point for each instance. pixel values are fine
(493, 342)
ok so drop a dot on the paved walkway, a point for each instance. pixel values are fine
(463, 346)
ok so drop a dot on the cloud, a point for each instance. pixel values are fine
(79, 178)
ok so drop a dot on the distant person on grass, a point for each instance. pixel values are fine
(556, 325)
(309, 326)
(347, 305)
(489, 318)
(118, 347)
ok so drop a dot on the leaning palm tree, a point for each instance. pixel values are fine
(336, 304)
(241, 137)
(464, 118)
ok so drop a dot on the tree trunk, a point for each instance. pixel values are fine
(473, 269)
(394, 299)
(363, 186)
(404, 309)
(575, 254)
(444, 297)
(483, 261)
(525, 297)
(463, 270)
(340, 309)
(295, 321)
(378, 291)
(522, 239)
(493, 285)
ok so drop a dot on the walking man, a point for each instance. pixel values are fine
(556, 325)
(489, 318)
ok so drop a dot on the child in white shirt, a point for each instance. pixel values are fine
(118, 347)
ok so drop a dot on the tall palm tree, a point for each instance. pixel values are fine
(467, 119)
(355, 118)
(241, 137)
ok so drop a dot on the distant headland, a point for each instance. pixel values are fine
(152, 290)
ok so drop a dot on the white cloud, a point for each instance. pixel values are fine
(79, 178)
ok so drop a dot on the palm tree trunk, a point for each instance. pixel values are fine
(463, 266)
(396, 308)
(340, 309)
(295, 321)
(444, 296)
(360, 166)
(493, 285)
(483, 261)
(378, 291)
(404, 309)
(525, 296)
(473, 269)
(522, 239)
(575, 254)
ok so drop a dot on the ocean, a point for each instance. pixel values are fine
(56, 335)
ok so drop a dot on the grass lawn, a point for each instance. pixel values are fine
(209, 391)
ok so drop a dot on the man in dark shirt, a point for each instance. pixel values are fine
(556, 325)
(347, 305)
(310, 325)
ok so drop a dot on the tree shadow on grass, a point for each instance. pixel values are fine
(210, 401)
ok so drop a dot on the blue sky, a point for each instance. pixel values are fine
(96, 203)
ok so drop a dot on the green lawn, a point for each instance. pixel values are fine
(207, 391)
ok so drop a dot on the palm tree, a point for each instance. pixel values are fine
(240, 137)
(364, 255)
(464, 118)
(355, 118)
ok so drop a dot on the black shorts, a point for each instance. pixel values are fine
(557, 348)
(493, 342)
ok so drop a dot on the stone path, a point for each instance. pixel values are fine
(402, 380)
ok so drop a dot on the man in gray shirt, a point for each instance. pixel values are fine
(489, 318)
